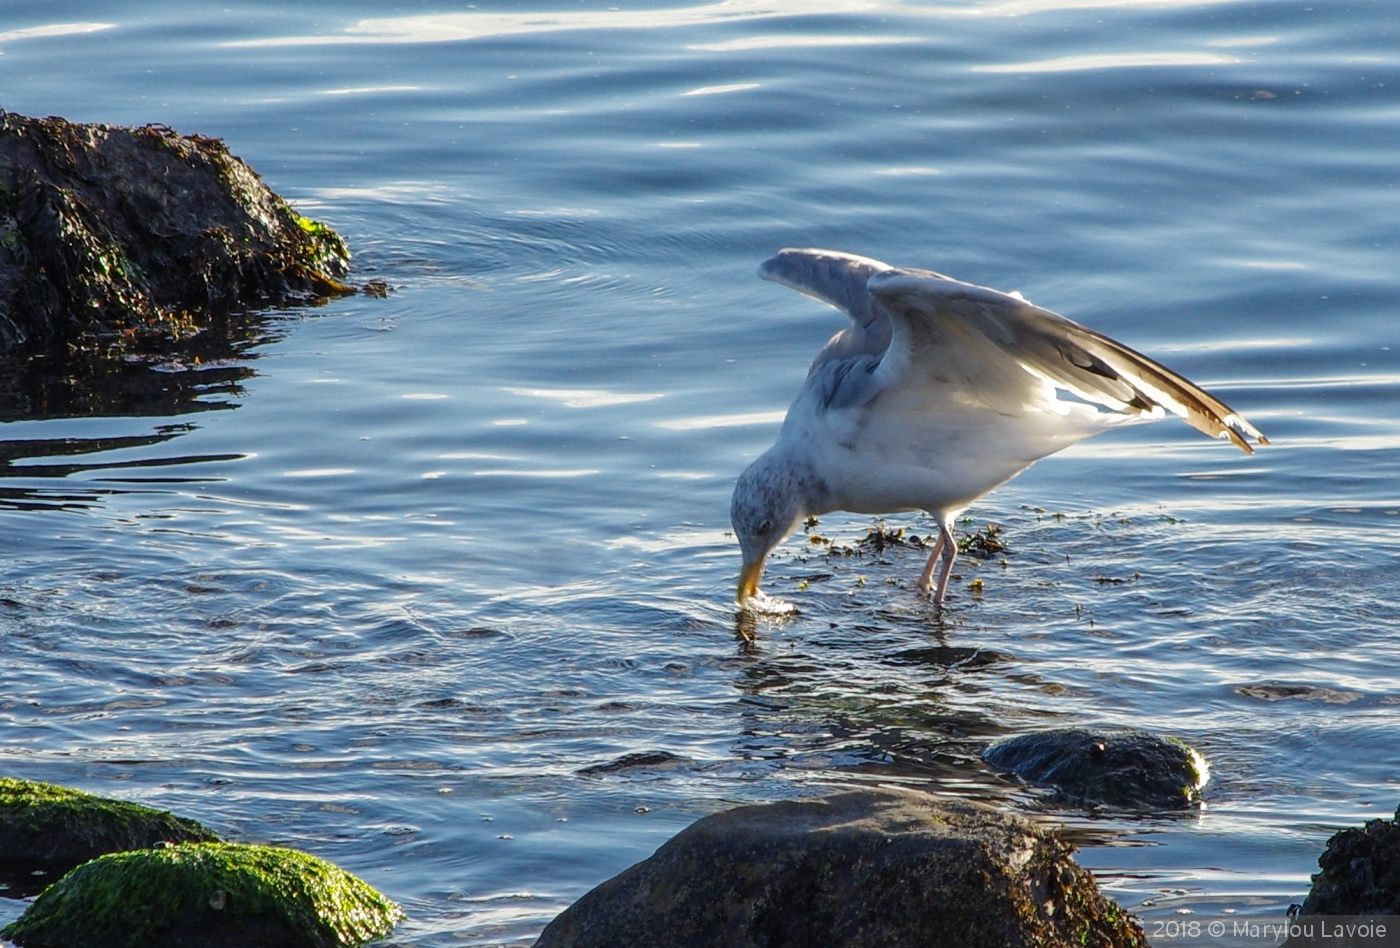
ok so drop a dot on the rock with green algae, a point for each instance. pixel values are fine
(210, 895)
(52, 828)
(1093, 768)
(124, 238)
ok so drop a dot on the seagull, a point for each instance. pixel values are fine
(938, 392)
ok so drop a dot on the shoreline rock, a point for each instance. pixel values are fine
(880, 868)
(214, 895)
(1092, 768)
(1360, 872)
(122, 238)
(48, 829)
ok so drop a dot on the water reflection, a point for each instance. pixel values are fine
(40, 498)
(860, 701)
(205, 373)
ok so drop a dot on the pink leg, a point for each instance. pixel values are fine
(926, 580)
(950, 553)
(946, 549)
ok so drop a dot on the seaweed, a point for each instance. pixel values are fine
(217, 895)
(983, 544)
(117, 239)
(47, 828)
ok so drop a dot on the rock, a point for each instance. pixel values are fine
(641, 760)
(1131, 770)
(123, 237)
(1360, 872)
(949, 656)
(49, 829)
(1268, 691)
(864, 869)
(213, 895)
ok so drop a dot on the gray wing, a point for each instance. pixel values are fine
(934, 316)
(838, 279)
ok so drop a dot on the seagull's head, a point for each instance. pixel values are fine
(770, 498)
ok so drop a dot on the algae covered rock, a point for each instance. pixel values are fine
(43, 826)
(864, 869)
(1126, 769)
(211, 895)
(1360, 872)
(119, 237)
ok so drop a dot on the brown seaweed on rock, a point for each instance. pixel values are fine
(125, 239)
(1360, 872)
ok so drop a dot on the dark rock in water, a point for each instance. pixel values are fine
(1131, 770)
(865, 869)
(1360, 872)
(1274, 692)
(637, 761)
(949, 656)
(48, 829)
(122, 237)
(213, 895)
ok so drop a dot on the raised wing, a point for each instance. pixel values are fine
(935, 316)
(838, 279)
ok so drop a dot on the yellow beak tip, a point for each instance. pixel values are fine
(748, 582)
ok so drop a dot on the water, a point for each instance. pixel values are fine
(378, 579)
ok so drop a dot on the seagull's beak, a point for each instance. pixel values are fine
(748, 580)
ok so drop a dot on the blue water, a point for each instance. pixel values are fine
(382, 582)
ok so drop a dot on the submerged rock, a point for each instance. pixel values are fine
(1360, 872)
(865, 869)
(118, 237)
(214, 895)
(1132, 770)
(949, 656)
(641, 760)
(49, 829)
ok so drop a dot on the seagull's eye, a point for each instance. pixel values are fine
(765, 526)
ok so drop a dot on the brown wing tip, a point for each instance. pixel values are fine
(1237, 441)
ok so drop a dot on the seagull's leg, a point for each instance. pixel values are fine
(926, 580)
(950, 553)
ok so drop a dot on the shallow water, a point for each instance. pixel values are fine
(381, 579)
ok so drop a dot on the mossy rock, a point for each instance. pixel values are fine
(1121, 769)
(210, 895)
(52, 828)
(117, 238)
(1360, 872)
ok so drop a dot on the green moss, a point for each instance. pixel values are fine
(1114, 768)
(329, 251)
(1196, 767)
(48, 810)
(28, 793)
(201, 893)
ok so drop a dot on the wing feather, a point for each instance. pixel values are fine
(839, 280)
(931, 311)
